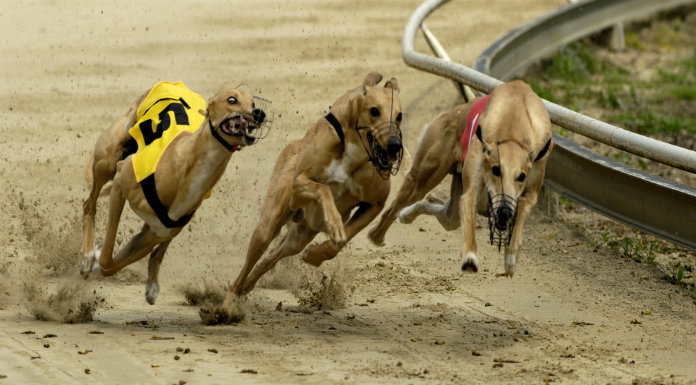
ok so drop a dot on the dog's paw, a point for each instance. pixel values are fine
(337, 233)
(375, 236)
(470, 263)
(231, 312)
(89, 266)
(151, 292)
(510, 260)
(316, 254)
(407, 215)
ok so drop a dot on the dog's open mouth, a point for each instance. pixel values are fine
(251, 126)
(241, 125)
(502, 214)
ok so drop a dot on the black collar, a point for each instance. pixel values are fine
(543, 150)
(337, 126)
(229, 147)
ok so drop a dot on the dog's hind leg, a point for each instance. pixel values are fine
(246, 280)
(93, 259)
(100, 172)
(447, 212)
(423, 177)
(89, 210)
(153, 266)
(274, 214)
(101, 169)
(297, 237)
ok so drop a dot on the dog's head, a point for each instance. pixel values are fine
(379, 121)
(505, 166)
(237, 117)
(512, 130)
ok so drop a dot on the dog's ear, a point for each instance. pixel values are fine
(393, 84)
(203, 112)
(371, 79)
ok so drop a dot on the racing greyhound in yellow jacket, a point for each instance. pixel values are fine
(164, 157)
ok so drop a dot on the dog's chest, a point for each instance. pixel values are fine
(339, 173)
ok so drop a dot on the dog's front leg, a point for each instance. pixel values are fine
(467, 213)
(525, 204)
(306, 192)
(316, 254)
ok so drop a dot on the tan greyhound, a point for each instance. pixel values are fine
(335, 180)
(183, 146)
(498, 173)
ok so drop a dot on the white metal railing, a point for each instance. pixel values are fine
(584, 125)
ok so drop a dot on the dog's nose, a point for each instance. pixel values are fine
(394, 146)
(259, 115)
(503, 216)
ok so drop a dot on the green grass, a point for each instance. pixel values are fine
(576, 78)
(633, 40)
(683, 92)
(690, 64)
(638, 249)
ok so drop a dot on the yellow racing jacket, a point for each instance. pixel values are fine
(168, 110)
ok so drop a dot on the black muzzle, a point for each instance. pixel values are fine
(501, 221)
(387, 162)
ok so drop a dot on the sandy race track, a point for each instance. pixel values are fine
(402, 313)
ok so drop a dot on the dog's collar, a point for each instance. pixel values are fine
(230, 147)
(544, 150)
(337, 126)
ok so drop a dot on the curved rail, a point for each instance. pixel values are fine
(542, 36)
(584, 125)
(634, 198)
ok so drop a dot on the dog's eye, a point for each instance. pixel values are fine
(521, 177)
(399, 117)
(374, 111)
(496, 170)
(232, 100)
